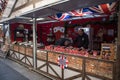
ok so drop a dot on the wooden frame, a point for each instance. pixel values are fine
(21, 55)
(78, 66)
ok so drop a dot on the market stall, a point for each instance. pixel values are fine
(60, 62)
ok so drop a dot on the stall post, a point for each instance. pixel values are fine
(118, 49)
(6, 32)
(34, 44)
(9, 35)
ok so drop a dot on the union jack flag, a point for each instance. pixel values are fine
(81, 12)
(60, 16)
(62, 61)
(108, 8)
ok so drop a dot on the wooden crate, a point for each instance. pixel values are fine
(29, 51)
(75, 62)
(53, 57)
(99, 68)
(41, 55)
(15, 47)
(22, 49)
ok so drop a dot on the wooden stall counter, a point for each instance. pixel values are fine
(100, 68)
(61, 65)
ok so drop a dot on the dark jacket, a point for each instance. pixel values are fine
(82, 41)
(61, 42)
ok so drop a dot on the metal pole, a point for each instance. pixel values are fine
(9, 35)
(34, 44)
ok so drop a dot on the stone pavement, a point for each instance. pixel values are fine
(10, 70)
(7, 73)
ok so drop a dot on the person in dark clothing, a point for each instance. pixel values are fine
(82, 40)
(63, 42)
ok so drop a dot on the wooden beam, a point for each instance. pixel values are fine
(74, 77)
(33, 1)
(41, 66)
(26, 4)
(118, 49)
(54, 71)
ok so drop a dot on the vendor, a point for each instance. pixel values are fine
(82, 40)
(63, 42)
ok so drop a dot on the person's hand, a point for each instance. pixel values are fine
(71, 47)
(82, 48)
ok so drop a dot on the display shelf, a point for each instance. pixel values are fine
(23, 34)
(19, 33)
